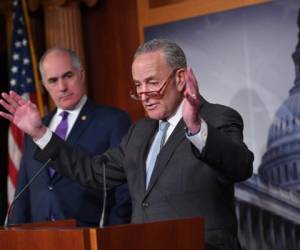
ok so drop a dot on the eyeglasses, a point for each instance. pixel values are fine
(135, 95)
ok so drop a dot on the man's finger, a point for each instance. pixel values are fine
(6, 116)
(190, 84)
(192, 99)
(18, 98)
(21, 101)
(32, 105)
(192, 81)
(9, 99)
(8, 106)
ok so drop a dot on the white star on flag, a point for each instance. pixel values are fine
(13, 82)
(16, 57)
(26, 61)
(14, 69)
(18, 44)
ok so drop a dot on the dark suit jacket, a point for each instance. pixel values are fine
(184, 183)
(96, 129)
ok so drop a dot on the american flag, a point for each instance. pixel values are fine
(21, 81)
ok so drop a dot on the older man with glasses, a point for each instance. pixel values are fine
(180, 161)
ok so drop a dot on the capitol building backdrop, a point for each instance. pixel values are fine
(249, 59)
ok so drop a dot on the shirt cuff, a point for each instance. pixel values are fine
(44, 140)
(199, 139)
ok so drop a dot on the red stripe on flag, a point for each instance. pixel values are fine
(22, 81)
(33, 97)
(16, 143)
(13, 172)
(18, 136)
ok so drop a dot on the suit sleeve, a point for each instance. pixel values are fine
(225, 150)
(21, 209)
(118, 199)
(85, 169)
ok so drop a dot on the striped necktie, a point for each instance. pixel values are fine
(155, 149)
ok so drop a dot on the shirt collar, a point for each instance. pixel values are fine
(76, 109)
(175, 118)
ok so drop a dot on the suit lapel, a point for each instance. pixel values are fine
(177, 136)
(83, 120)
(148, 135)
(81, 123)
(165, 154)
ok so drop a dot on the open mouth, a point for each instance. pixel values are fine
(150, 106)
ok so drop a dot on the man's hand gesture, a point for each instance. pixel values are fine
(24, 114)
(191, 103)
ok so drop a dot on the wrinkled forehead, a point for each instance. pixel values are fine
(57, 56)
(149, 64)
(57, 64)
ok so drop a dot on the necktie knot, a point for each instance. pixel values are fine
(64, 115)
(163, 126)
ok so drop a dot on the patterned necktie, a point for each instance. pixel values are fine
(155, 148)
(61, 131)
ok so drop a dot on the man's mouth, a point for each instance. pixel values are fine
(66, 96)
(151, 106)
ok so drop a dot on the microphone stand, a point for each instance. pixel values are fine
(101, 222)
(22, 191)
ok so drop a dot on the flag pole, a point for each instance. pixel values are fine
(38, 88)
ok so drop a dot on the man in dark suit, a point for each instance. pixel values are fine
(52, 196)
(201, 153)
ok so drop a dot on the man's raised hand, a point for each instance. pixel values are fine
(23, 113)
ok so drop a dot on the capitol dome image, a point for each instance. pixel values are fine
(281, 162)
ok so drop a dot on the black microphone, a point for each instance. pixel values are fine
(23, 190)
(103, 163)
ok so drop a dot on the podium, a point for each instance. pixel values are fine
(182, 234)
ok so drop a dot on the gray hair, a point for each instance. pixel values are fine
(73, 56)
(175, 56)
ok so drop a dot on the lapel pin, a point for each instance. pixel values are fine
(83, 117)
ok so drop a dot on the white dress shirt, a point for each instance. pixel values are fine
(198, 140)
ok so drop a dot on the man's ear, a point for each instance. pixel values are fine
(180, 81)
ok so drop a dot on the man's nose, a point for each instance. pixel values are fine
(142, 92)
(62, 84)
(144, 96)
(145, 88)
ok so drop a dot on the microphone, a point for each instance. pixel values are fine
(103, 163)
(23, 190)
